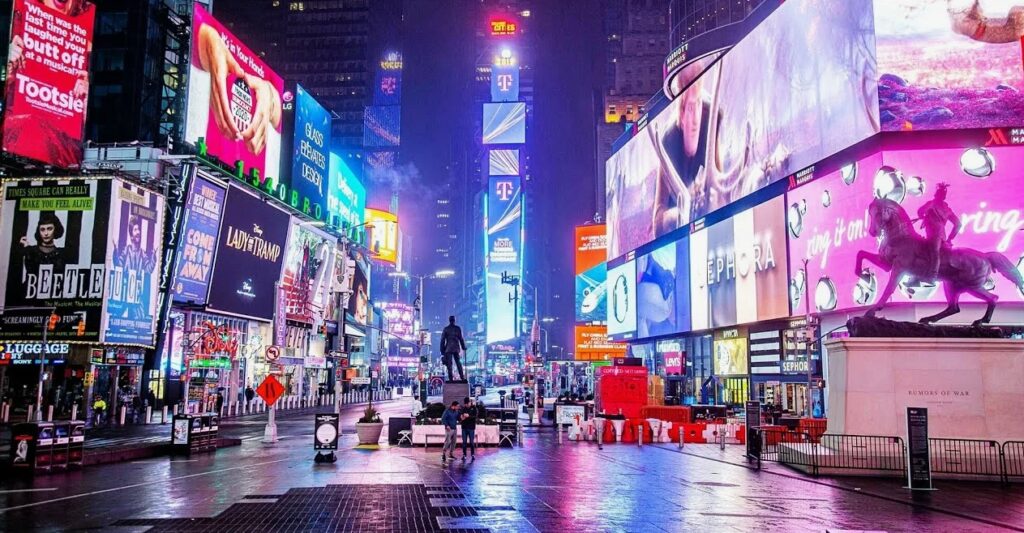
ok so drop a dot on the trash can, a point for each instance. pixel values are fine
(32, 446)
(61, 442)
(76, 443)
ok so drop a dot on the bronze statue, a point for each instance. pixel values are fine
(902, 252)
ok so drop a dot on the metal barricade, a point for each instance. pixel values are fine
(1013, 460)
(966, 457)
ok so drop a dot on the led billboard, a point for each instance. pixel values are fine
(828, 221)
(384, 235)
(54, 236)
(592, 344)
(401, 319)
(310, 155)
(503, 163)
(504, 123)
(198, 246)
(663, 290)
(382, 126)
(346, 201)
(738, 268)
(949, 64)
(505, 83)
(740, 126)
(48, 80)
(591, 274)
(387, 90)
(622, 301)
(234, 101)
(504, 254)
(306, 277)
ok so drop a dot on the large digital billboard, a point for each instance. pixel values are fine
(741, 126)
(504, 254)
(504, 83)
(503, 163)
(622, 301)
(346, 201)
(828, 221)
(250, 252)
(133, 264)
(234, 101)
(306, 277)
(53, 250)
(203, 208)
(384, 235)
(592, 344)
(663, 291)
(359, 300)
(310, 155)
(401, 319)
(387, 88)
(738, 268)
(48, 80)
(591, 274)
(504, 123)
(382, 126)
(949, 64)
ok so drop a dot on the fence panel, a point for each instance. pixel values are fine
(965, 457)
(1013, 459)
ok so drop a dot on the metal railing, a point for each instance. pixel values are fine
(966, 457)
(1013, 460)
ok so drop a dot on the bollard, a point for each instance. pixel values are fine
(681, 435)
(519, 431)
(163, 415)
(74, 413)
(30, 409)
(175, 409)
(559, 433)
(639, 435)
(721, 438)
(124, 413)
(149, 414)
(49, 413)
(3, 413)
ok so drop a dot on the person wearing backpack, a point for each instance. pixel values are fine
(451, 344)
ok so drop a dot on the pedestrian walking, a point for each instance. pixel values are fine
(99, 408)
(450, 421)
(467, 418)
(249, 395)
(220, 399)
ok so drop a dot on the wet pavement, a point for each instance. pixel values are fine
(542, 486)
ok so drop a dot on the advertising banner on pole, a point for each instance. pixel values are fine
(48, 81)
(133, 261)
(53, 248)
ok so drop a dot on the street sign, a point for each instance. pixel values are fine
(325, 431)
(361, 381)
(270, 390)
(272, 353)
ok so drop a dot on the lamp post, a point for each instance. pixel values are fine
(418, 305)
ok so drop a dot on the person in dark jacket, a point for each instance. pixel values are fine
(468, 417)
(249, 394)
(450, 421)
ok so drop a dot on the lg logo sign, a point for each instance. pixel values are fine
(504, 190)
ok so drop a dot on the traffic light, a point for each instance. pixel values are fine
(81, 327)
(52, 325)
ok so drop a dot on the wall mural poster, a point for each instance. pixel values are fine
(53, 247)
(133, 261)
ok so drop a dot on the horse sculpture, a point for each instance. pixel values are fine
(902, 252)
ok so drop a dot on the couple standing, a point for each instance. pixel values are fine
(467, 417)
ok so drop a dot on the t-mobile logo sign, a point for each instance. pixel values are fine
(504, 190)
(504, 82)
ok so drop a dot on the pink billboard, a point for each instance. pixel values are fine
(234, 100)
(827, 221)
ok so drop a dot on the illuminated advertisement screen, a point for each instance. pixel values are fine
(622, 301)
(663, 290)
(250, 253)
(828, 222)
(738, 268)
(48, 80)
(505, 123)
(383, 232)
(504, 254)
(382, 126)
(503, 163)
(401, 319)
(133, 263)
(592, 344)
(946, 64)
(54, 236)
(310, 155)
(740, 127)
(505, 83)
(591, 274)
(359, 300)
(203, 208)
(234, 100)
(346, 201)
(730, 357)
(306, 277)
(387, 89)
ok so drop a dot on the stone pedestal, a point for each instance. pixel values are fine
(454, 391)
(973, 388)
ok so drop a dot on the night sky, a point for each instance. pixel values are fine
(568, 59)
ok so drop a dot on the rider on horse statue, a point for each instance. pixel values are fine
(934, 215)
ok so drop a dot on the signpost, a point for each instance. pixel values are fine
(753, 419)
(919, 472)
(270, 390)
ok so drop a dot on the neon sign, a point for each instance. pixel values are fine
(503, 27)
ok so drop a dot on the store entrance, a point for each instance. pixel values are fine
(791, 397)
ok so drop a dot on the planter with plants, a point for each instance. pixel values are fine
(370, 426)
